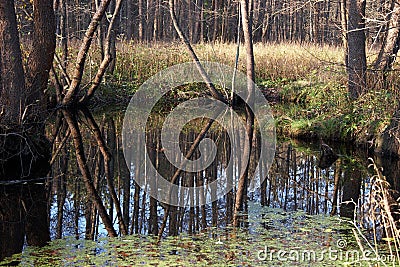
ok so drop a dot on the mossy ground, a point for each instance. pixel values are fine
(313, 110)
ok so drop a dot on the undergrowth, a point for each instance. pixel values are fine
(325, 110)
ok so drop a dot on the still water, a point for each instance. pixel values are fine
(294, 182)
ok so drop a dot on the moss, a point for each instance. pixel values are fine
(313, 110)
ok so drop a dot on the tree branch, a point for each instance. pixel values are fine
(73, 89)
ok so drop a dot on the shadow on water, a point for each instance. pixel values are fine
(23, 196)
(294, 182)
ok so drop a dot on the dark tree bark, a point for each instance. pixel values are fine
(40, 58)
(12, 74)
(25, 151)
(357, 61)
(11, 222)
(389, 144)
(351, 192)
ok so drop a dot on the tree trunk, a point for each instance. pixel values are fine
(113, 36)
(247, 32)
(389, 144)
(40, 58)
(357, 65)
(141, 21)
(391, 45)
(351, 193)
(12, 74)
(25, 151)
(73, 90)
(343, 19)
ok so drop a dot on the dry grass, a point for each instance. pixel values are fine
(136, 62)
(273, 61)
(379, 215)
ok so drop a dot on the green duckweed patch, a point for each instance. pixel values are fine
(273, 237)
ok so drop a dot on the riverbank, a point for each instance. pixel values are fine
(306, 85)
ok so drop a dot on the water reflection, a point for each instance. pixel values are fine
(294, 182)
(23, 196)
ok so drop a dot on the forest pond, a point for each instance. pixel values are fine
(298, 206)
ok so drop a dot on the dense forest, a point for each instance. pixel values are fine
(210, 21)
(310, 91)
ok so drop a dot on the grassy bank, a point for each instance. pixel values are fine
(310, 81)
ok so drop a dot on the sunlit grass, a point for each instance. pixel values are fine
(138, 62)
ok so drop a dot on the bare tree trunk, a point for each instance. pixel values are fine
(357, 65)
(108, 57)
(247, 32)
(391, 45)
(73, 90)
(111, 46)
(141, 21)
(40, 58)
(25, 151)
(343, 19)
(63, 31)
(129, 20)
(156, 20)
(196, 36)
